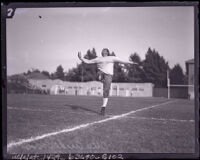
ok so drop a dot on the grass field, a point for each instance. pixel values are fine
(72, 124)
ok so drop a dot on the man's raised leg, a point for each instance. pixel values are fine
(106, 88)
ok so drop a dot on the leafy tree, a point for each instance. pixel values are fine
(135, 74)
(35, 70)
(27, 73)
(135, 58)
(84, 72)
(46, 73)
(59, 73)
(89, 71)
(176, 75)
(91, 54)
(18, 78)
(119, 73)
(155, 67)
(53, 76)
(112, 54)
(75, 74)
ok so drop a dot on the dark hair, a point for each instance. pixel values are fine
(106, 49)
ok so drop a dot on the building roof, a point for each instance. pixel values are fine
(190, 61)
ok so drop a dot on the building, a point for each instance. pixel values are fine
(94, 88)
(190, 73)
(132, 89)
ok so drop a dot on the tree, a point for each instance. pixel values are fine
(176, 75)
(89, 71)
(119, 73)
(112, 54)
(74, 74)
(27, 73)
(91, 54)
(46, 73)
(60, 73)
(53, 76)
(18, 78)
(35, 70)
(135, 74)
(155, 67)
(17, 83)
(135, 58)
(84, 72)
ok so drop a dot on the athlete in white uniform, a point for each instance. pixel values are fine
(105, 64)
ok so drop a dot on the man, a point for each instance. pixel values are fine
(105, 65)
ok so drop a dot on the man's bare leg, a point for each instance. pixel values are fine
(103, 107)
(105, 102)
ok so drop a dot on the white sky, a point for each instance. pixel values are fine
(55, 39)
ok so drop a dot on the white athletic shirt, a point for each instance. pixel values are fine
(106, 67)
(106, 64)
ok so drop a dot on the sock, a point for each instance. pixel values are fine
(105, 101)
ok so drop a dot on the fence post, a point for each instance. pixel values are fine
(168, 85)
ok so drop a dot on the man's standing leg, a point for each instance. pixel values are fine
(107, 80)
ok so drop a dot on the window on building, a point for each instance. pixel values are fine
(134, 89)
(115, 88)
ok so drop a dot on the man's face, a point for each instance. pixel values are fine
(105, 53)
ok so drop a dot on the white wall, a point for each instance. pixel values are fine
(96, 88)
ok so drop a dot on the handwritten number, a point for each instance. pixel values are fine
(120, 156)
(10, 11)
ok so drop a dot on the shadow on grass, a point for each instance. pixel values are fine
(76, 107)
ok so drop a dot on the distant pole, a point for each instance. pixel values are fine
(117, 90)
(81, 78)
(111, 90)
(168, 85)
(82, 72)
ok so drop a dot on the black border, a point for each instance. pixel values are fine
(195, 4)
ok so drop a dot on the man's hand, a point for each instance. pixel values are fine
(79, 55)
(133, 63)
(141, 67)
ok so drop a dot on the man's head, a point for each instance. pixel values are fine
(105, 52)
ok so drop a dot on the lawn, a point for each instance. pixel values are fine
(163, 128)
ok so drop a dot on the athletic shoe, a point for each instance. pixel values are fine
(102, 111)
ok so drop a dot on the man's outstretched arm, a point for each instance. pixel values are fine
(116, 59)
(92, 61)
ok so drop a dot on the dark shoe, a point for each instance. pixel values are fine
(102, 111)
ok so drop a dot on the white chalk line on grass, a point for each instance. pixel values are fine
(67, 130)
(28, 109)
(162, 119)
